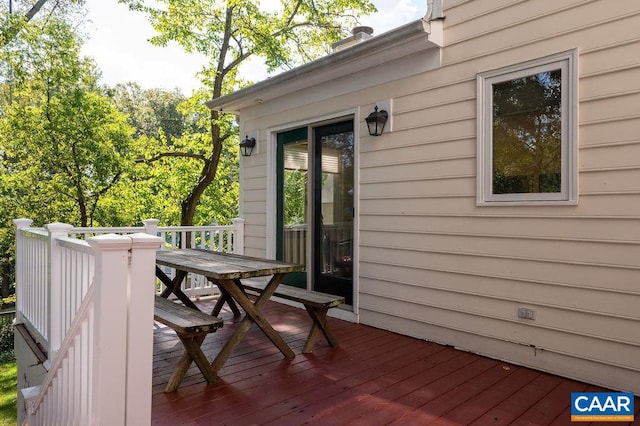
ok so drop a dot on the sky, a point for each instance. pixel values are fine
(117, 40)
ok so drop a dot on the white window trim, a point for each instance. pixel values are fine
(567, 62)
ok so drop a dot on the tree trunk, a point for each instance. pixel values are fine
(210, 167)
(207, 175)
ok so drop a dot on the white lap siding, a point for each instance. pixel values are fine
(436, 266)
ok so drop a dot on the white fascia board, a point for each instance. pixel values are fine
(401, 42)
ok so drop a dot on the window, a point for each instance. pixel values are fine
(527, 141)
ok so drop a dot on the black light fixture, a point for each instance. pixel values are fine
(376, 121)
(247, 145)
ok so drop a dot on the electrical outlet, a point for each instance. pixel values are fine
(526, 313)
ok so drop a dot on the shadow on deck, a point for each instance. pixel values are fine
(374, 378)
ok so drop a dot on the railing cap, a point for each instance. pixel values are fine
(110, 242)
(145, 241)
(22, 223)
(58, 227)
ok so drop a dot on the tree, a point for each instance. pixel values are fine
(168, 167)
(22, 12)
(229, 34)
(152, 112)
(59, 126)
(63, 144)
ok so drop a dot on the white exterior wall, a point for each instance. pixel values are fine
(434, 265)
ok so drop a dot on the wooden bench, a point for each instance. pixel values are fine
(192, 327)
(316, 303)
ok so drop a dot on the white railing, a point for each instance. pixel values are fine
(92, 303)
(222, 238)
(337, 248)
(295, 244)
(59, 271)
(32, 294)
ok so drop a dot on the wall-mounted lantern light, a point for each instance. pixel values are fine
(247, 145)
(376, 121)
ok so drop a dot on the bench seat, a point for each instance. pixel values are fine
(192, 327)
(316, 303)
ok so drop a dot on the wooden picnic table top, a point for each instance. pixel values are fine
(222, 266)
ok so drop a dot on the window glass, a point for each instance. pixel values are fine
(527, 134)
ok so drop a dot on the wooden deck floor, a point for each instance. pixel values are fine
(374, 378)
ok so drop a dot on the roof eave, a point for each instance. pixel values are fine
(402, 41)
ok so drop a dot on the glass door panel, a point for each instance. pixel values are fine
(293, 180)
(334, 209)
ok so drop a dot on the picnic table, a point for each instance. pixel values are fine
(226, 271)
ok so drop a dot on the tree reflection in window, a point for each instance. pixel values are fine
(527, 128)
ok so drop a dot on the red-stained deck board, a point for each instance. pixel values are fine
(552, 406)
(374, 377)
(456, 397)
(359, 372)
(386, 410)
(395, 379)
(517, 404)
(385, 399)
(332, 379)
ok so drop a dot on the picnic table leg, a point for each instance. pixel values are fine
(253, 315)
(193, 352)
(319, 317)
(224, 298)
(173, 286)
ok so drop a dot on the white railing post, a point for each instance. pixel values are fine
(20, 225)
(238, 241)
(142, 288)
(55, 323)
(151, 226)
(110, 324)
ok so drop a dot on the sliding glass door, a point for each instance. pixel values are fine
(316, 206)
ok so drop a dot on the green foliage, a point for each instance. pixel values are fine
(8, 302)
(20, 12)
(230, 33)
(63, 143)
(8, 392)
(168, 169)
(295, 196)
(6, 339)
(63, 140)
(151, 112)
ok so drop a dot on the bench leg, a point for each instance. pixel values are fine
(319, 317)
(193, 352)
